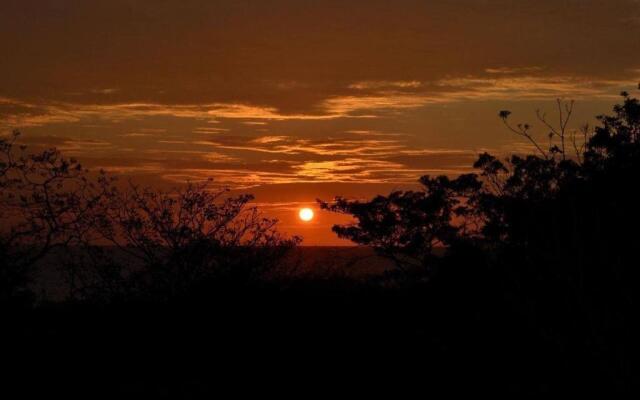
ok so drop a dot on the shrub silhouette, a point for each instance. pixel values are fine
(47, 201)
(117, 243)
(172, 244)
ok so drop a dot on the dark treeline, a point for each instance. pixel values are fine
(122, 242)
(521, 277)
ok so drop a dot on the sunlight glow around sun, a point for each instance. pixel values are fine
(305, 214)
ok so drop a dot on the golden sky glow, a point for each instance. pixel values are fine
(297, 100)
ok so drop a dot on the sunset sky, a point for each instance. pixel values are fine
(297, 100)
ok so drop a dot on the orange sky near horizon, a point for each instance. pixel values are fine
(295, 100)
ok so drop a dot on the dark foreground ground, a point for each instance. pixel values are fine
(326, 342)
(332, 336)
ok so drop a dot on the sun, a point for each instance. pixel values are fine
(305, 214)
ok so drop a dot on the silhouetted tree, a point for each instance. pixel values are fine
(46, 201)
(565, 232)
(172, 244)
(118, 243)
(500, 204)
(555, 233)
(407, 226)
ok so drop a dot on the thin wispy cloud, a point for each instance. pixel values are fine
(368, 99)
(378, 85)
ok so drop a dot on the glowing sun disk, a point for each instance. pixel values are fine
(305, 214)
